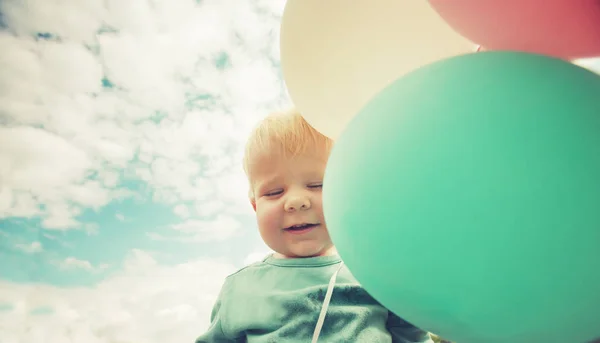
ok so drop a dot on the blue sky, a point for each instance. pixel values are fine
(122, 198)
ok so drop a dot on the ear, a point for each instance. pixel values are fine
(252, 199)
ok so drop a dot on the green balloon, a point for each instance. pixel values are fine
(465, 197)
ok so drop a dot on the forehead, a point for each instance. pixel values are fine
(276, 165)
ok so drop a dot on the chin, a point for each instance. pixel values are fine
(312, 252)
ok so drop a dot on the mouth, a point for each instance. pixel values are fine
(300, 228)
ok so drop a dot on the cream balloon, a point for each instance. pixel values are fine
(337, 54)
(592, 64)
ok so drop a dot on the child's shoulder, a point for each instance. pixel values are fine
(248, 269)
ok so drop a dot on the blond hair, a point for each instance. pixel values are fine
(286, 132)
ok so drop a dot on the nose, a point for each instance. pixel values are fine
(297, 202)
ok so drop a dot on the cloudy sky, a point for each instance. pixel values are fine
(122, 199)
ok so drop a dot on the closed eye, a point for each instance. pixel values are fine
(274, 193)
(320, 185)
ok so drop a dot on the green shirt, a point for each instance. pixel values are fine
(279, 301)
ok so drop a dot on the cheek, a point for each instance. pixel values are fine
(317, 204)
(267, 215)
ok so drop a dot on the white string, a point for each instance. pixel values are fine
(325, 305)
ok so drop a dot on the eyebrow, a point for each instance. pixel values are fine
(267, 183)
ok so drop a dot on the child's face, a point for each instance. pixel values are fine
(288, 203)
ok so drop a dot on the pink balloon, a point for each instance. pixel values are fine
(568, 29)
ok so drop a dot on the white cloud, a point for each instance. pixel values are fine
(74, 20)
(51, 172)
(146, 302)
(173, 120)
(71, 263)
(182, 211)
(233, 188)
(57, 59)
(25, 164)
(66, 142)
(32, 248)
(201, 231)
(209, 208)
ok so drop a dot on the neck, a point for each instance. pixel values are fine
(328, 252)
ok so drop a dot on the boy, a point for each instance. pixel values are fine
(302, 291)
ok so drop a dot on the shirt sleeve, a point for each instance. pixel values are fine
(404, 332)
(215, 333)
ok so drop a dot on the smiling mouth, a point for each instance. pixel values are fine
(301, 227)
